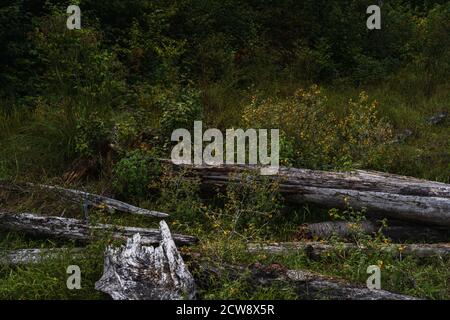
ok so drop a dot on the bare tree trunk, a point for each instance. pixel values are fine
(74, 229)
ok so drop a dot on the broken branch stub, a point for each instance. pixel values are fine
(138, 272)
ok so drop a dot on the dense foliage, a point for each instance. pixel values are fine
(203, 41)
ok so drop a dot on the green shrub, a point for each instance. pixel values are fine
(321, 138)
(133, 174)
(250, 208)
(181, 113)
(179, 195)
(91, 135)
(75, 63)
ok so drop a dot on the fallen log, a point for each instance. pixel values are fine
(438, 118)
(427, 210)
(395, 231)
(35, 256)
(313, 286)
(351, 180)
(307, 285)
(392, 196)
(316, 249)
(137, 272)
(83, 197)
(74, 229)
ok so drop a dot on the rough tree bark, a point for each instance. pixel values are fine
(395, 231)
(316, 249)
(137, 272)
(35, 256)
(83, 197)
(74, 229)
(388, 195)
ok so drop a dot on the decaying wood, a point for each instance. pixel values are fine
(74, 229)
(395, 231)
(138, 272)
(83, 197)
(313, 286)
(352, 180)
(392, 196)
(307, 285)
(34, 256)
(438, 118)
(316, 249)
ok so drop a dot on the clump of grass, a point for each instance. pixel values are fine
(47, 280)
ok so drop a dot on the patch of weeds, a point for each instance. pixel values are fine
(48, 279)
(134, 174)
(249, 207)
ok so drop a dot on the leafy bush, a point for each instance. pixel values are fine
(133, 175)
(91, 135)
(433, 45)
(321, 138)
(181, 113)
(75, 63)
(179, 195)
(250, 208)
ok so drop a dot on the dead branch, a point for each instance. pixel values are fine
(83, 197)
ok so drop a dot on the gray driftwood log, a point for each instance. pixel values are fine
(395, 231)
(316, 249)
(138, 272)
(35, 256)
(83, 197)
(74, 229)
(387, 195)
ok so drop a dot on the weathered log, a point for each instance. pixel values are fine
(395, 231)
(307, 285)
(438, 118)
(83, 197)
(316, 249)
(74, 229)
(313, 286)
(351, 180)
(35, 256)
(388, 195)
(137, 272)
(427, 210)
